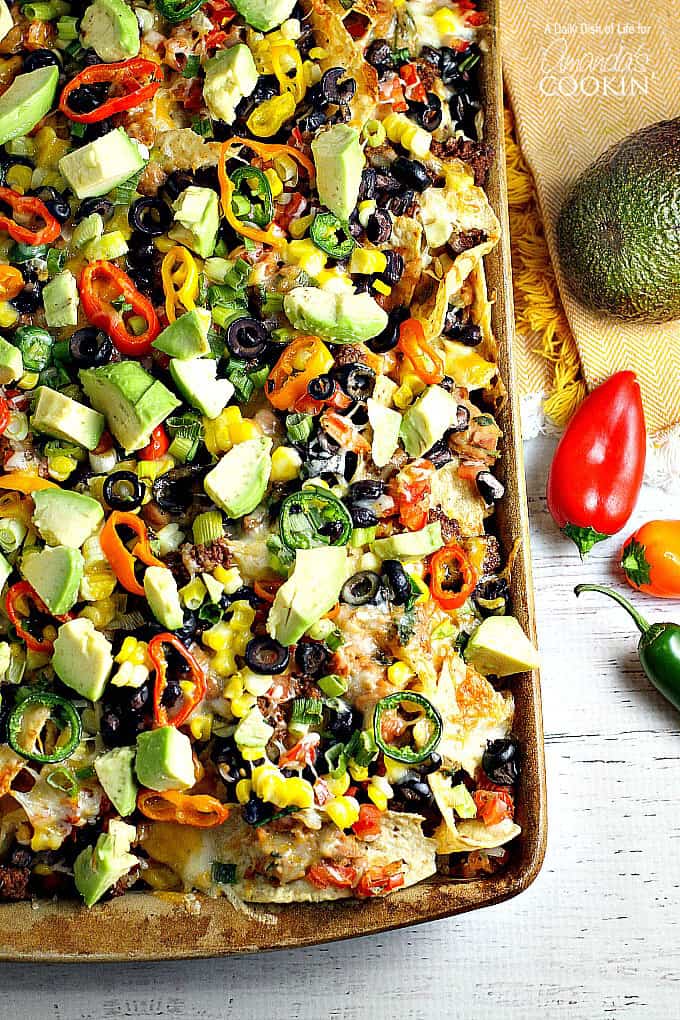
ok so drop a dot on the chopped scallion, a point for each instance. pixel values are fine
(299, 427)
(208, 527)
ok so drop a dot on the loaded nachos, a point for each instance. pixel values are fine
(254, 627)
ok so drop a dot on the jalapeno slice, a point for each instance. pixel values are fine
(422, 709)
(252, 198)
(62, 712)
(326, 231)
(314, 517)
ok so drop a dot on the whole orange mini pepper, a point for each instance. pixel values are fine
(650, 559)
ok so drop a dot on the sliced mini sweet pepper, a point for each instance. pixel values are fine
(17, 605)
(121, 559)
(197, 678)
(303, 359)
(28, 205)
(100, 284)
(179, 274)
(452, 577)
(135, 80)
(200, 810)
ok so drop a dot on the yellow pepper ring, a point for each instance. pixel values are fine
(295, 85)
(179, 274)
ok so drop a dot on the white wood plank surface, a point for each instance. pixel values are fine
(594, 937)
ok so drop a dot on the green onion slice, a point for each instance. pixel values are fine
(414, 708)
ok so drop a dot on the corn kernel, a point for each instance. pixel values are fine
(377, 796)
(446, 21)
(403, 397)
(399, 674)
(255, 683)
(335, 279)
(367, 261)
(130, 674)
(101, 612)
(230, 579)
(344, 811)
(286, 464)
(359, 773)
(275, 182)
(217, 636)
(224, 663)
(382, 287)
(417, 141)
(243, 788)
(318, 53)
(8, 315)
(252, 753)
(241, 431)
(126, 649)
(46, 840)
(234, 689)
(338, 786)
(201, 726)
(298, 793)
(299, 227)
(365, 210)
(29, 381)
(241, 706)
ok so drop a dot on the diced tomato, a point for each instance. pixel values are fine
(414, 90)
(356, 24)
(375, 881)
(219, 11)
(476, 18)
(285, 214)
(157, 445)
(308, 405)
(493, 807)
(193, 97)
(326, 873)
(411, 490)
(344, 432)
(368, 822)
(105, 443)
(470, 469)
(302, 753)
(4, 415)
(215, 39)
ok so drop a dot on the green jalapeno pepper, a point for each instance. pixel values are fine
(64, 714)
(314, 517)
(325, 231)
(175, 11)
(35, 345)
(261, 212)
(405, 753)
(658, 647)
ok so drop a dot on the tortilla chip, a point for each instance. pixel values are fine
(472, 834)
(183, 149)
(458, 498)
(331, 35)
(191, 852)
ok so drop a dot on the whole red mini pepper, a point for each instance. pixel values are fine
(100, 284)
(597, 470)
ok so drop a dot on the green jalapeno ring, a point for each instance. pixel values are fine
(174, 12)
(407, 755)
(303, 514)
(59, 707)
(262, 213)
(324, 233)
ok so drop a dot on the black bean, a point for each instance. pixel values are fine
(363, 516)
(150, 216)
(403, 205)
(500, 761)
(255, 811)
(428, 115)
(88, 97)
(439, 454)
(312, 657)
(413, 793)
(265, 655)
(412, 173)
(394, 270)
(366, 488)
(367, 187)
(103, 206)
(41, 58)
(430, 55)
(379, 227)
(177, 182)
(385, 181)
(462, 418)
(28, 300)
(341, 720)
(312, 121)
(332, 530)
(489, 488)
(431, 765)
(398, 583)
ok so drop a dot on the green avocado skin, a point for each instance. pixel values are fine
(618, 233)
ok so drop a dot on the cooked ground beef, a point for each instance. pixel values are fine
(478, 155)
(348, 354)
(463, 241)
(450, 528)
(199, 558)
(14, 882)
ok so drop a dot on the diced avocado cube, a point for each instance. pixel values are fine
(164, 760)
(337, 316)
(339, 160)
(65, 518)
(60, 298)
(96, 168)
(11, 362)
(386, 425)
(132, 400)
(64, 418)
(230, 76)
(239, 480)
(161, 593)
(311, 591)
(5, 570)
(265, 14)
(26, 101)
(6, 20)
(198, 383)
(110, 28)
(462, 802)
(55, 573)
(197, 220)
(186, 337)
(253, 730)
(427, 419)
(98, 867)
(115, 773)
(411, 544)
(82, 658)
(499, 646)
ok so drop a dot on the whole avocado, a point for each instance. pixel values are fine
(618, 233)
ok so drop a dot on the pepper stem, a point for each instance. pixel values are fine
(640, 622)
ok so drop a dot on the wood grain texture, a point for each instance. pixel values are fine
(594, 937)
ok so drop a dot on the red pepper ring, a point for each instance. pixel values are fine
(160, 713)
(23, 590)
(99, 309)
(128, 75)
(426, 362)
(450, 567)
(26, 205)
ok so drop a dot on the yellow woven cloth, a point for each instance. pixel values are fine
(581, 77)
